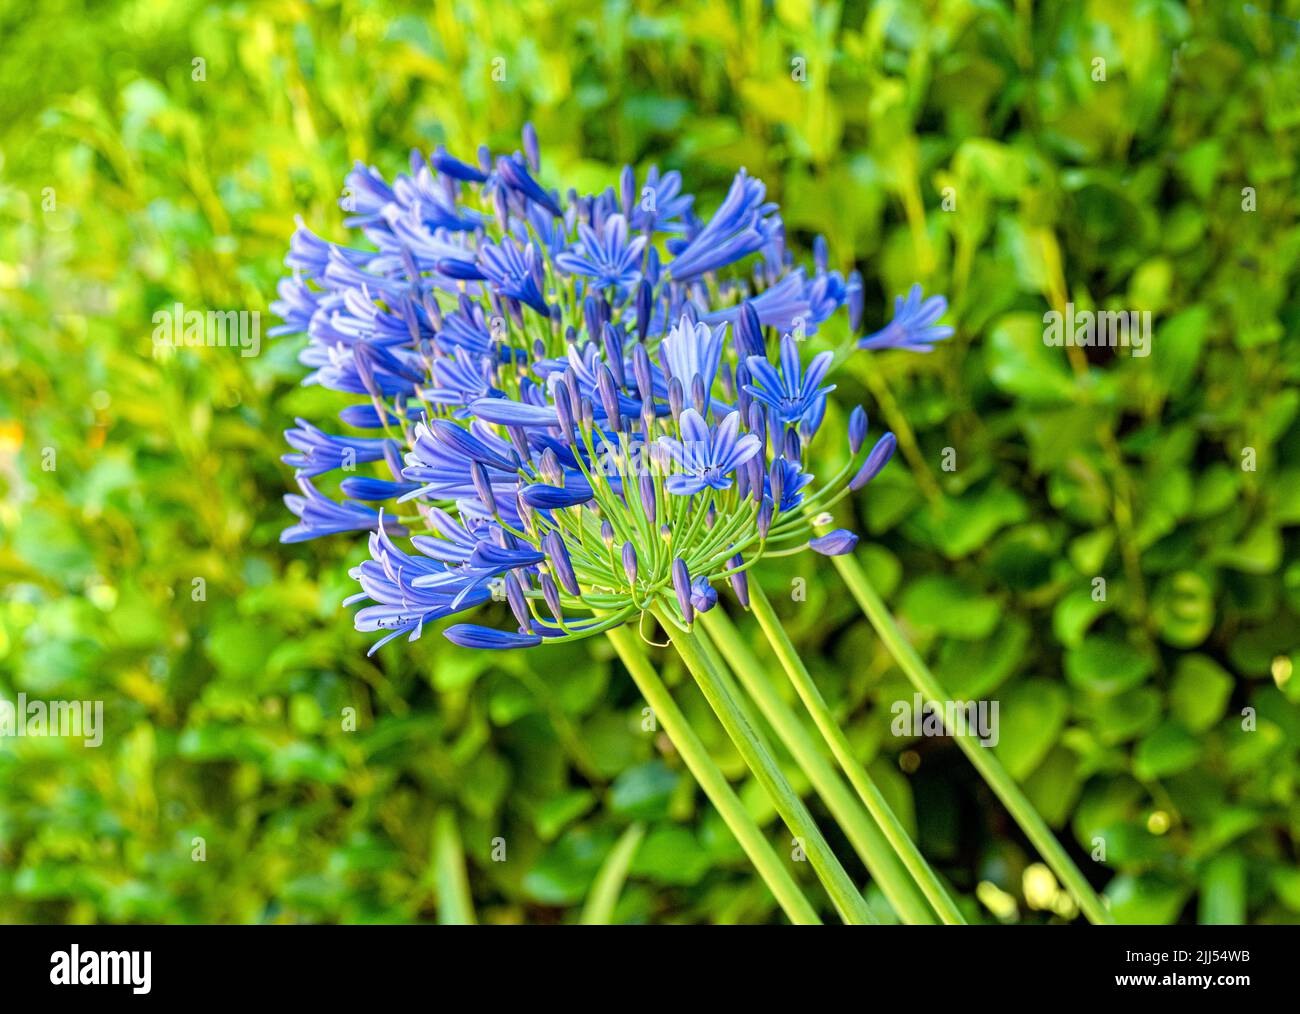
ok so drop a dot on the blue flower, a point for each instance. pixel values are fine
(319, 515)
(741, 226)
(548, 455)
(514, 272)
(693, 350)
(913, 326)
(707, 459)
(703, 595)
(661, 206)
(458, 379)
(876, 460)
(789, 485)
(321, 452)
(607, 257)
(471, 635)
(836, 543)
(514, 175)
(400, 605)
(790, 392)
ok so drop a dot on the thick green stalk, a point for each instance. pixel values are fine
(857, 774)
(455, 906)
(599, 906)
(862, 831)
(711, 779)
(986, 763)
(757, 755)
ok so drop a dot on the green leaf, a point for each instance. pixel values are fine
(1200, 691)
(1167, 751)
(1223, 891)
(950, 607)
(1030, 718)
(1106, 665)
(643, 792)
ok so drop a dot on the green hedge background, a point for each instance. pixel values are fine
(126, 185)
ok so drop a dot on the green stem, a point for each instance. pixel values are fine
(608, 885)
(455, 907)
(862, 831)
(866, 789)
(756, 754)
(985, 761)
(711, 779)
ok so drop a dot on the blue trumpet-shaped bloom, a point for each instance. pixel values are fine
(608, 257)
(707, 458)
(573, 394)
(791, 392)
(913, 326)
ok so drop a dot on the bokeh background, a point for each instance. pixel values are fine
(130, 181)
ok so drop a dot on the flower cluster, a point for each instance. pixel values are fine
(589, 406)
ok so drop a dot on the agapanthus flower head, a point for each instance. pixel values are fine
(572, 397)
(913, 326)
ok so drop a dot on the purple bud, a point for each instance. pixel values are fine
(876, 460)
(558, 552)
(471, 635)
(682, 586)
(791, 447)
(857, 429)
(652, 267)
(644, 297)
(627, 190)
(835, 543)
(749, 333)
(856, 300)
(676, 399)
(482, 487)
(757, 425)
(552, 596)
(764, 520)
(526, 513)
(575, 391)
(591, 316)
(564, 409)
(641, 371)
(821, 256)
(703, 595)
(607, 387)
(519, 438)
(548, 467)
(646, 488)
(699, 397)
(614, 353)
(500, 204)
(629, 562)
(776, 479)
(531, 151)
(607, 534)
(754, 466)
(588, 415)
(739, 580)
(518, 604)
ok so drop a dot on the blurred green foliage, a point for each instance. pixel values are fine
(968, 144)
